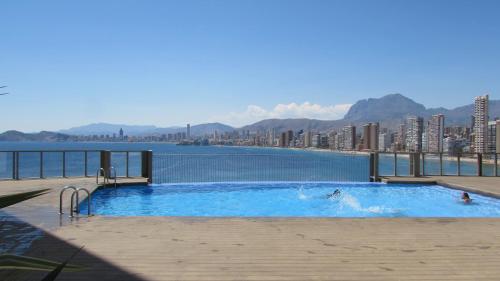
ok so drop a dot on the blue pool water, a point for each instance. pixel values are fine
(288, 199)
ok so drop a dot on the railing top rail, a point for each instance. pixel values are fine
(72, 150)
(437, 153)
(232, 154)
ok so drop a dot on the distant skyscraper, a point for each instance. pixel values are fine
(370, 136)
(188, 131)
(289, 138)
(384, 141)
(481, 123)
(494, 136)
(414, 129)
(270, 137)
(349, 137)
(435, 133)
(121, 133)
(307, 139)
(332, 139)
(339, 141)
(316, 140)
(400, 140)
(283, 140)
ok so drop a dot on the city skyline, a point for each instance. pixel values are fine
(166, 63)
(177, 126)
(412, 135)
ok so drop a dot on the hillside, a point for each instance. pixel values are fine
(390, 111)
(135, 130)
(41, 136)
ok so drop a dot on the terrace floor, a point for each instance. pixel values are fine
(489, 186)
(186, 248)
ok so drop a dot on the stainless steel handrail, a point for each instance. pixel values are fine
(61, 195)
(104, 175)
(114, 174)
(77, 192)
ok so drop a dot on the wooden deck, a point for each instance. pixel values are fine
(167, 248)
(185, 248)
(489, 186)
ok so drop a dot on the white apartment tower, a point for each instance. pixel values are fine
(349, 137)
(435, 133)
(414, 129)
(481, 123)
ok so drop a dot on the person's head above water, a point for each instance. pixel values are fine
(466, 197)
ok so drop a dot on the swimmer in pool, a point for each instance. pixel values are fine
(335, 194)
(466, 198)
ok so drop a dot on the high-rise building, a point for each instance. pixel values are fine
(316, 140)
(425, 140)
(188, 131)
(349, 137)
(270, 137)
(307, 139)
(481, 123)
(339, 141)
(289, 138)
(435, 133)
(332, 138)
(370, 136)
(121, 133)
(414, 129)
(400, 138)
(283, 140)
(494, 136)
(384, 142)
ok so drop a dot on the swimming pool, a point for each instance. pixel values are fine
(290, 199)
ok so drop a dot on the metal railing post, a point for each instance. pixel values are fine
(64, 164)
(440, 163)
(410, 164)
(395, 164)
(126, 164)
(371, 176)
(415, 164)
(147, 165)
(479, 164)
(496, 165)
(17, 165)
(85, 157)
(105, 161)
(423, 164)
(41, 164)
(13, 165)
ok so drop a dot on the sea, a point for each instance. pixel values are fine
(188, 163)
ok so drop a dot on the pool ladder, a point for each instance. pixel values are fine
(105, 175)
(75, 204)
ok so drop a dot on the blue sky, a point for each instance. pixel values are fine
(70, 63)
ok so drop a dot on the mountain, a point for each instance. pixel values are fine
(137, 130)
(196, 130)
(41, 136)
(384, 108)
(108, 129)
(210, 128)
(390, 111)
(281, 125)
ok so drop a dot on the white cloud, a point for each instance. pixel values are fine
(255, 113)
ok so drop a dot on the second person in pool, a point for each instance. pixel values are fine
(335, 194)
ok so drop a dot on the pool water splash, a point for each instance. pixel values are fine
(351, 202)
